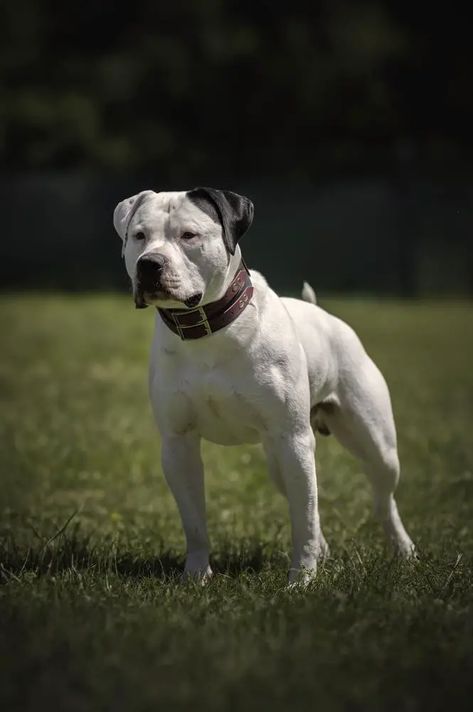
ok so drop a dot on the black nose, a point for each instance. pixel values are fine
(149, 268)
(153, 262)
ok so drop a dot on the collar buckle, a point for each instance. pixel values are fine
(203, 321)
(177, 325)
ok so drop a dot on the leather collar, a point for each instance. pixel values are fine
(206, 320)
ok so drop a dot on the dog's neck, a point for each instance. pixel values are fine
(219, 284)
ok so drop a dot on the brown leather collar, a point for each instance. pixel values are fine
(203, 321)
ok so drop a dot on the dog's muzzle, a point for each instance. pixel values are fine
(149, 270)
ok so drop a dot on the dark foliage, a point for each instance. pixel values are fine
(232, 87)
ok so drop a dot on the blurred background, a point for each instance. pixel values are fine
(348, 124)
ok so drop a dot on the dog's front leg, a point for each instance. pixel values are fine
(184, 472)
(295, 455)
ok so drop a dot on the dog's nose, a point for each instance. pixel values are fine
(150, 264)
(148, 269)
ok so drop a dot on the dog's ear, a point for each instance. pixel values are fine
(234, 212)
(124, 212)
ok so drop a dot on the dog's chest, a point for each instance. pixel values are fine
(215, 402)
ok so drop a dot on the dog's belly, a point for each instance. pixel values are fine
(222, 433)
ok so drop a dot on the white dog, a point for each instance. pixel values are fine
(233, 363)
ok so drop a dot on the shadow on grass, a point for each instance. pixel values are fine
(77, 552)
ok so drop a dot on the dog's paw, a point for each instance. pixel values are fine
(324, 550)
(405, 549)
(300, 578)
(198, 575)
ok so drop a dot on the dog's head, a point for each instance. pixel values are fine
(177, 246)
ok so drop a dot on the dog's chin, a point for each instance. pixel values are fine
(194, 300)
(165, 299)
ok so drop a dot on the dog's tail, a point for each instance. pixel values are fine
(308, 294)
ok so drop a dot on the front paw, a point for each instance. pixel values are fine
(301, 577)
(405, 549)
(200, 575)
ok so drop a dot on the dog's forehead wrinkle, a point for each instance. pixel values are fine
(169, 200)
(163, 210)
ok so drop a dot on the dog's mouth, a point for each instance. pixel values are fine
(164, 298)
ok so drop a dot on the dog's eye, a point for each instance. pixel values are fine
(140, 236)
(188, 235)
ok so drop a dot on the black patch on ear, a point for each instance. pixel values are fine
(232, 211)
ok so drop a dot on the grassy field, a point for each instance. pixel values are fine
(93, 615)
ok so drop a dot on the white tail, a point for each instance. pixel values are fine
(308, 294)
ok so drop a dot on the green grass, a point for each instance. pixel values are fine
(92, 613)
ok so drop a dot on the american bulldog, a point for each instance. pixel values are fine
(232, 362)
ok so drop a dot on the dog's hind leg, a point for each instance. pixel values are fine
(363, 422)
